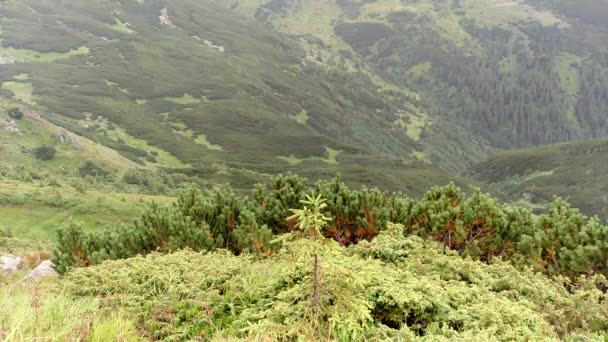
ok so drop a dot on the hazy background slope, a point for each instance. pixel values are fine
(208, 89)
(394, 93)
(510, 72)
(577, 172)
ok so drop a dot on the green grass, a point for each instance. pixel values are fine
(330, 157)
(291, 160)
(420, 69)
(537, 174)
(507, 13)
(566, 65)
(27, 55)
(21, 77)
(34, 133)
(315, 18)
(163, 157)
(420, 155)
(34, 212)
(415, 124)
(202, 140)
(248, 7)
(23, 91)
(33, 312)
(508, 65)
(186, 99)
(302, 117)
(114, 85)
(122, 27)
(22, 246)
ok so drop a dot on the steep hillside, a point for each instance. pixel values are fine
(510, 73)
(195, 85)
(577, 172)
(19, 137)
(83, 180)
(398, 94)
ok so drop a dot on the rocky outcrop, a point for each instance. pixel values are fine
(64, 137)
(9, 126)
(164, 17)
(10, 263)
(210, 44)
(6, 59)
(45, 269)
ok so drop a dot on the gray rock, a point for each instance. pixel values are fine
(10, 263)
(64, 137)
(45, 269)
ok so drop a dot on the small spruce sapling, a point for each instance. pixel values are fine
(312, 219)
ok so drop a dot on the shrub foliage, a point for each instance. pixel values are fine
(561, 241)
(44, 152)
(392, 288)
(15, 113)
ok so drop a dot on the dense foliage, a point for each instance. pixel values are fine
(392, 288)
(535, 81)
(15, 113)
(561, 241)
(574, 171)
(97, 176)
(432, 80)
(147, 92)
(44, 152)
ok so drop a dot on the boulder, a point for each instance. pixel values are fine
(45, 269)
(10, 263)
(64, 137)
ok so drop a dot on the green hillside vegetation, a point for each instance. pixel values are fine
(254, 85)
(552, 71)
(575, 171)
(561, 241)
(261, 170)
(35, 210)
(392, 288)
(281, 82)
(466, 267)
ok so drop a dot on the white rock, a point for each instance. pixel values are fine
(10, 263)
(45, 269)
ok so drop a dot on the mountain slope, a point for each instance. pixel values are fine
(399, 94)
(577, 172)
(212, 90)
(509, 73)
(18, 138)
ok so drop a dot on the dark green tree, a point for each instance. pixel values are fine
(93, 169)
(44, 152)
(15, 113)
